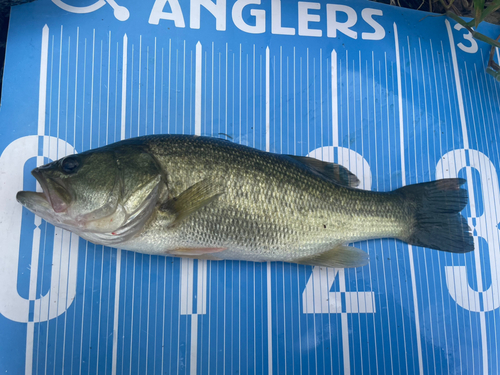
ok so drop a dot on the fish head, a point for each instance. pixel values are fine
(97, 194)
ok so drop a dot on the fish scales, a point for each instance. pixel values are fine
(213, 199)
(279, 209)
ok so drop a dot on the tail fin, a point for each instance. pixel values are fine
(437, 221)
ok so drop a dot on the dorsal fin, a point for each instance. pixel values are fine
(334, 172)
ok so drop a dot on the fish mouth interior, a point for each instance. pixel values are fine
(38, 203)
(52, 191)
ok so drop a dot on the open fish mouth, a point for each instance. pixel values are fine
(54, 195)
(39, 203)
(35, 202)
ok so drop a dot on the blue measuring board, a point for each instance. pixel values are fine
(397, 96)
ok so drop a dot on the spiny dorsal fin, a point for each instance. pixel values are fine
(339, 257)
(334, 172)
(190, 200)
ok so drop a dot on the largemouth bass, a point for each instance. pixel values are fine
(208, 198)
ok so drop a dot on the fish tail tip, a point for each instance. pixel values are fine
(437, 222)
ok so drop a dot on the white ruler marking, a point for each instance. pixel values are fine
(35, 252)
(269, 289)
(124, 86)
(403, 174)
(197, 98)
(118, 251)
(470, 188)
(268, 100)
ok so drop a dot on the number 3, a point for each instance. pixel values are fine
(468, 36)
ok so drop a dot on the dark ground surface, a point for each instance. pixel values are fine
(460, 7)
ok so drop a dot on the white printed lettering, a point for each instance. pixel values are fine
(332, 25)
(378, 31)
(276, 27)
(175, 15)
(258, 14)
(218, 9)
(484, 226)
(473, 47)
(305, 17)
(316, 297)
(64, 266)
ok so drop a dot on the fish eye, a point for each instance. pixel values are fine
(70, 165)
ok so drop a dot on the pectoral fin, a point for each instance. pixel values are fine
(191, 200)
(339, 257)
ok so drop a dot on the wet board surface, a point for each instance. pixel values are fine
(395, 96)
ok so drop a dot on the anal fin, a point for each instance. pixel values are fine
(339, 257)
